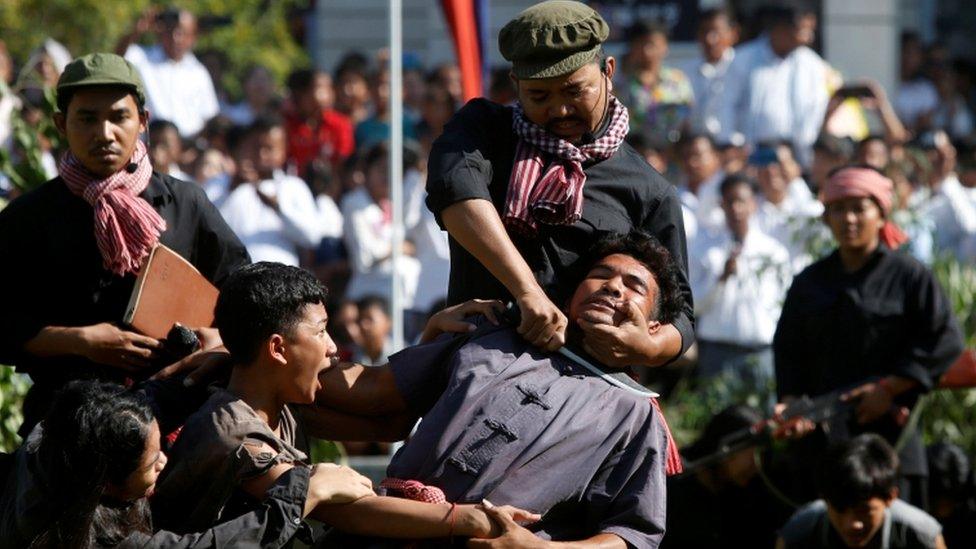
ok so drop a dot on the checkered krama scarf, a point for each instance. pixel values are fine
(554, 195)
(127, 228)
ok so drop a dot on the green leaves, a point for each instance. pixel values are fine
(13, 387)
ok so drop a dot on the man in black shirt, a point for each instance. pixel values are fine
(71, 248)
(555, 168)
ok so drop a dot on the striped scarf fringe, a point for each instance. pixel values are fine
(127, 228)
(554, 197)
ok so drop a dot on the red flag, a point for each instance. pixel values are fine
(462, 19)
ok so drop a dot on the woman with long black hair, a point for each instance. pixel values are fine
(82, 478)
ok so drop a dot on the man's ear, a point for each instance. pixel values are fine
(144, 121)
(60, 122)
(610, 63)
(653, 326)
(275, 346)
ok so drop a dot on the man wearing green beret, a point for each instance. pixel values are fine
(71, 248)
(524, 190)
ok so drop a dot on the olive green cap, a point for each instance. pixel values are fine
(101, 69)
(552, 38)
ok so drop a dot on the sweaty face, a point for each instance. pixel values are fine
(309, 350)
(141, 482)
(855, 222)
(102, 126)
(858, 525)
(608, 289)
(567, 106)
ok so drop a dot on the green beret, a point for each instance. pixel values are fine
(101, 69)
(552, 39)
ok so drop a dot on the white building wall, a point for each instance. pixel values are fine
(861, 39)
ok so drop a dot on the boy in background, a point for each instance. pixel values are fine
(860, 505)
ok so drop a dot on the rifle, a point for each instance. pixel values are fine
(827, 408)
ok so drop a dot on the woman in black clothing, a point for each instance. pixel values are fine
(867, 317)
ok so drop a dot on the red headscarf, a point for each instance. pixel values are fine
(866, 183)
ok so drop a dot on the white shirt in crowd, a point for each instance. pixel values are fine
(789, 221)
(430, 244)
(179, 91)
(368, 235)
(269, 235)
(702, 212)
(914, 99)
(330, 217)
(743, 309)
(772, 98)
(217, 189)
(708, 82)
(952, 209)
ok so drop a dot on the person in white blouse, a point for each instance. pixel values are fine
(368, 233)
(178, 87)
(717, 33)
(739, 277)
(787, 210)
(701, 169)
(776, 86)
(274, 214)
(947, 203)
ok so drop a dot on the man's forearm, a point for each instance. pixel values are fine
(475, 224)
(328, 424)
(599, 541)
(402, 518)
(53, 341)
(361, 390)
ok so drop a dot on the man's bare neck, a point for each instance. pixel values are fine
(250, 383)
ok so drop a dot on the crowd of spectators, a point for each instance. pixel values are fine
(747, 131)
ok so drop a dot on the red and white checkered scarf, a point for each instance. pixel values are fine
(556, 196)
(126, 226)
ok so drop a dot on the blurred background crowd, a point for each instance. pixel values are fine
(296, 158)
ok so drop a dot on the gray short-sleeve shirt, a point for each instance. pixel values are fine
(519, 426)
(222, 444)
(905, 527)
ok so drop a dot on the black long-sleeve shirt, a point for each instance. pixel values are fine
(473, 159)
(890, 317)
(52, 273)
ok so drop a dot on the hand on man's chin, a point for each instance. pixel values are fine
(598, 317)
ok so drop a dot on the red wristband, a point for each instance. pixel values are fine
(453, 514)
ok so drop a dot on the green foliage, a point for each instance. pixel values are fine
(258, 32)
(692, 404)
(326, 451)
(958, 279)
(13, 387)
(26, 171)
(950, 415)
